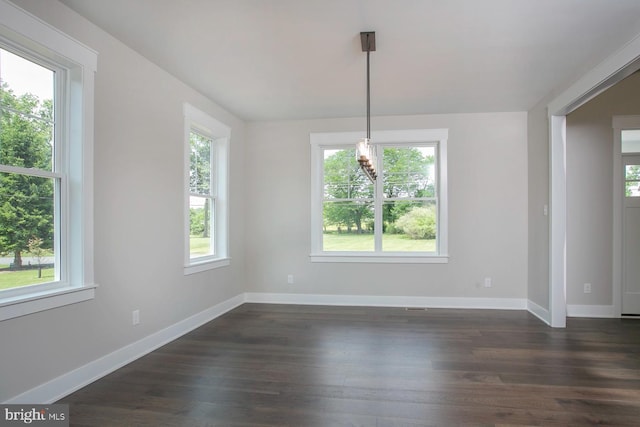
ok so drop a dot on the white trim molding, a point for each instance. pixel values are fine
(387, 301)
(69, 382)
(45, 300)
(558, 222)
(396, 258)
(602, 311)
(539, 311)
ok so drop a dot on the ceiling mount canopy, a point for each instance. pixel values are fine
(365, 152)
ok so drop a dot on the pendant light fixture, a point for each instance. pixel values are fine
(365, 152)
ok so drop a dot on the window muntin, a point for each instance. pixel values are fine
(354, 220)
(31, 174)
(206, 216)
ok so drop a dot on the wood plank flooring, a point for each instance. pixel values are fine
(287, 365)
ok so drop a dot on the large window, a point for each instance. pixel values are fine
(30, 177)
(206, 153)
(401, 217)
(46, 130)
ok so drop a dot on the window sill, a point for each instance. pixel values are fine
(380, 258)
(45, 300)
(198, 267)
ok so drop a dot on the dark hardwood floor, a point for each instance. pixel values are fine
(286, 365)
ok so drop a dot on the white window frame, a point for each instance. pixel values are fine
(321, 141)
(76, 64)
(197, 121)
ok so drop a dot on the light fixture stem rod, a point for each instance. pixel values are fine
(368, 93)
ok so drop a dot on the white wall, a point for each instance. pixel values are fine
(138, 219)
(487, 211)
(589, 191)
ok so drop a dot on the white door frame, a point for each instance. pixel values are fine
(609, 72)
(619, 123)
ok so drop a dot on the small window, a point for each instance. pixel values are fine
(400, 217)
(206, 153)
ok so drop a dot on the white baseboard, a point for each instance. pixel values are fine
(388, 301)
(66, 384)
(541, 313)
(604, 311)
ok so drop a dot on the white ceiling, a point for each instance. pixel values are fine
(292, 59)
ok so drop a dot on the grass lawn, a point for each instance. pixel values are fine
(334, 241)
(14, 279)
(364, 242)
(199, 245)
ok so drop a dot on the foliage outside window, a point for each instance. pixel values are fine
(400, 215)
(201, 197)
(632, 181)
(46, 166)
(29, 177)
(206, 188)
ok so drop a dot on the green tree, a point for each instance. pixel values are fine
(197, 222)
(419, 223)
(200, 180)
(406, 174)
(632, 176)
(343, 179)
(26, 202)
(35, 248)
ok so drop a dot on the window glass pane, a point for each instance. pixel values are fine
(23, 76)
(632, 189)
(632, 172)
(409, 226)
(200, 226)
(409, 172)
(343, 178)
(632, 178)
(200, 171)
(26, 230)
(26, 113)
(348, 226)
(631, 141)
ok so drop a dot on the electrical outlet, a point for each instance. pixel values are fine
(290, 279)
(487, 282)
(587, 288)
(135, 317)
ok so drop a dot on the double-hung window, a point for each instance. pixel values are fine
(206, 217)
(401, 216)
(46, 151)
